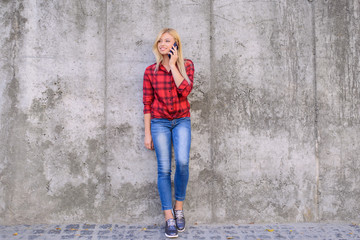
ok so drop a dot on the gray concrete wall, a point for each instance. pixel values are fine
(338, 101)
(275, 110)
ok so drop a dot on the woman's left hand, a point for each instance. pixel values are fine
(174, 56)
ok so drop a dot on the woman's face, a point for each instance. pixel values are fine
(165, 43)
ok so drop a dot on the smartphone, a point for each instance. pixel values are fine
(175, 45)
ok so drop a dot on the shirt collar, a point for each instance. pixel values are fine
(161, 67)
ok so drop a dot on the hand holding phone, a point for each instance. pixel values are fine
(174, 46)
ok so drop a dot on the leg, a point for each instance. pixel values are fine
(161, 134)
(181, 140)
(178, 205)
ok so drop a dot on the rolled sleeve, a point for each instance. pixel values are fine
(185, 87)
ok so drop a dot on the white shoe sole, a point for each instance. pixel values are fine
(181, 230)
(168, 236)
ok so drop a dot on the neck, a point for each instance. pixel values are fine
(165, 60)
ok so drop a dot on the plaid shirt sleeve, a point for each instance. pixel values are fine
(148, 92)
(185, 88)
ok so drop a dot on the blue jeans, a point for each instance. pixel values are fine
(163, 132)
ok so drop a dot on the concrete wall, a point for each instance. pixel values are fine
(275, 110)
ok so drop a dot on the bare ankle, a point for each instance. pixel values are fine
(168, 214)
(178, 205)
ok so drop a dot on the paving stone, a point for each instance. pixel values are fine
(104, 232)
(33, 237)
(54, 232)
(73, 226)
(89, 226)
(304, 231)
(215, 237)
(106, 226)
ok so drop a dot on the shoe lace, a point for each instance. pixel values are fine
(179, 214)
(171, 222)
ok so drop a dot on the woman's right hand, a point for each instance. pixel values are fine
(148, 141)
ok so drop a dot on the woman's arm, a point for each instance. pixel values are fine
(148, 98)
(178, 78)
(185, 88)
(148, 138)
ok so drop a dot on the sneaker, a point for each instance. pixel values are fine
(170, 229)
(180, 220)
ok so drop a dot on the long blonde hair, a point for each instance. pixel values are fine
(180, 61)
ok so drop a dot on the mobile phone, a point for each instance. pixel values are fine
(175, 45)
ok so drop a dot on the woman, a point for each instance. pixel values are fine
(167, 83)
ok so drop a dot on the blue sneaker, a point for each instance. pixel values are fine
(170, 229)
(180, 220)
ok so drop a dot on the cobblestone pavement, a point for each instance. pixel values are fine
(246, 232)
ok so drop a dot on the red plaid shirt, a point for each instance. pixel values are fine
(161, 97)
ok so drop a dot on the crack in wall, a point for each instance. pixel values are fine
(316, 112)
(212, 120)
(106, 155)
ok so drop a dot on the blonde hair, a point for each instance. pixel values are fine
(180, 61)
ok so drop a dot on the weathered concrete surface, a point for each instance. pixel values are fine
(275, 110)
(338, 95)
(263, 135)
(52, 165)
